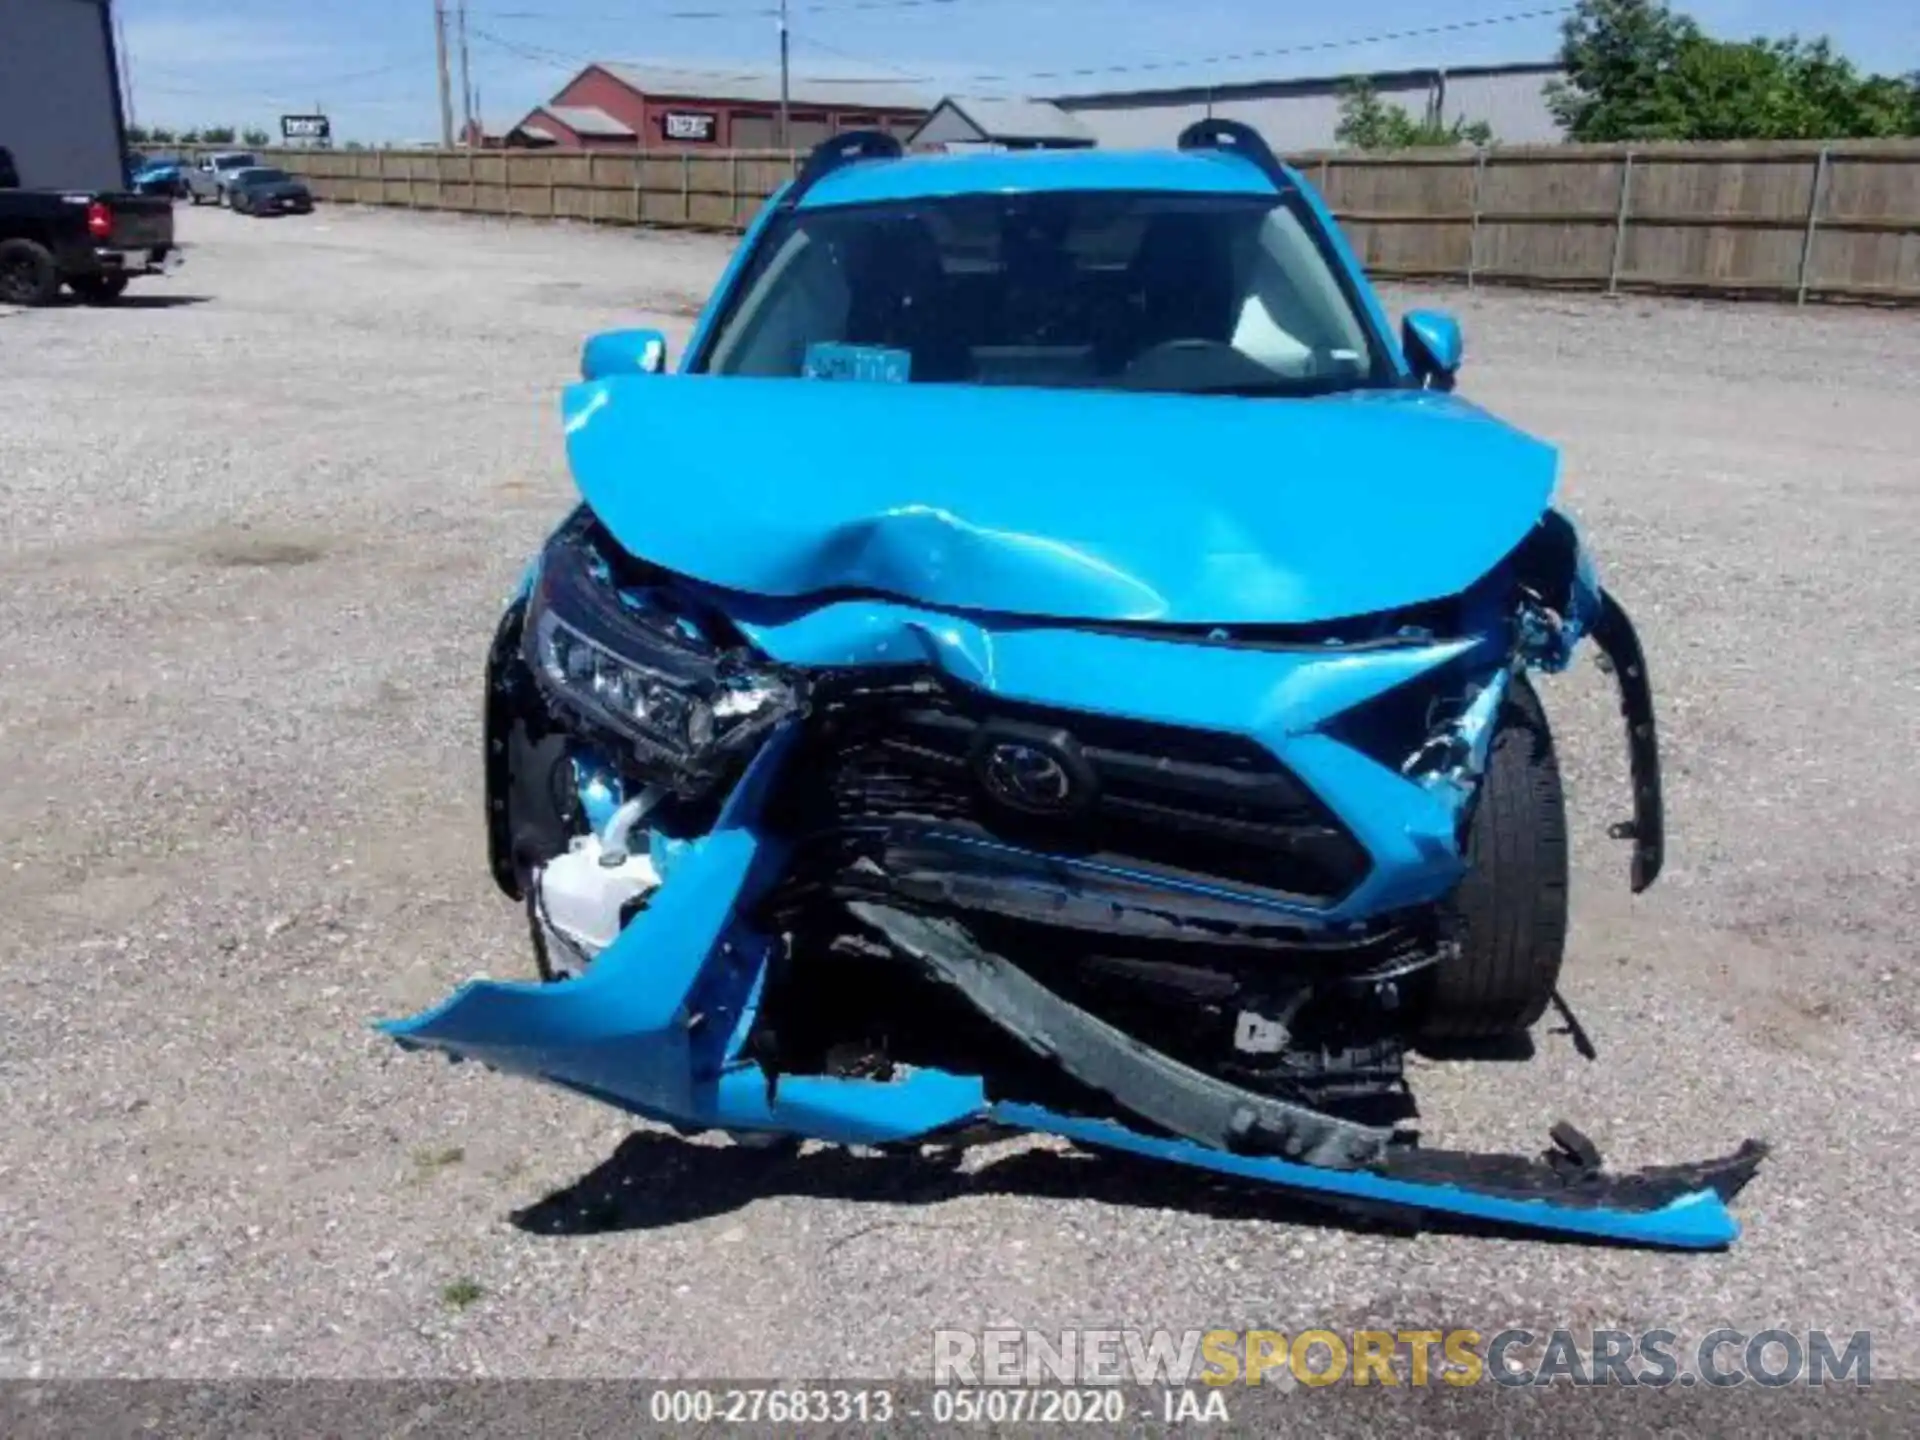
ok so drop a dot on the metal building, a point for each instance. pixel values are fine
(1303, 114)
(965, 122)
(656, 107)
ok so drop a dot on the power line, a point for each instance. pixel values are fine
(324, 82)
(1276, 51)
(562, 60)
(759, 10)
(1140, 67)
(807, 42)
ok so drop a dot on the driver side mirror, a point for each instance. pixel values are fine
(623, 352)
(1434, 347)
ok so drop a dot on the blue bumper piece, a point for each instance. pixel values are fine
(658, 1026)
(1696, 1220)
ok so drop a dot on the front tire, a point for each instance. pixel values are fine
(1512, 905)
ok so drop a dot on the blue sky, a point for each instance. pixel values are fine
(370, 63)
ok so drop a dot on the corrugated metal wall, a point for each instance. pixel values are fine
(58, 107)
(1293, 117)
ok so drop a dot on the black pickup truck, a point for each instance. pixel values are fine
(91, 242)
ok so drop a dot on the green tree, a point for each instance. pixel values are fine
(1638, 70)
(255, 136)
(217, 134)
(1369, 123)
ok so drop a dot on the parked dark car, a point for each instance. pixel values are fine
(263, 190)
(93, 242)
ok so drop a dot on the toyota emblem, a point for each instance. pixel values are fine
(1037, 776)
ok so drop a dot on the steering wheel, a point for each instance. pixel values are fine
(1185, 346)
(1189, 359)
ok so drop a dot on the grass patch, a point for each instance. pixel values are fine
(459, 1294)
(429, 1161)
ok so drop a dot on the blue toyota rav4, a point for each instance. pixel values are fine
(1052, 659)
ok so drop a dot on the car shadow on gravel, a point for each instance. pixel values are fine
(654, 1181)
(135, 302)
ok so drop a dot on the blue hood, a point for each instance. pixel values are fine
(1075, 505)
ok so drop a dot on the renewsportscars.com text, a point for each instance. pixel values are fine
(1318, 1357)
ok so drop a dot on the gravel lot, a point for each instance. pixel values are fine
(258, 522)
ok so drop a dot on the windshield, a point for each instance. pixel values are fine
(231, 162)
(1198, 293)
(260, 176)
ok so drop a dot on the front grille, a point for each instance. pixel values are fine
(1191, 805)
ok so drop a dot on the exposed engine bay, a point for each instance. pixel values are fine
(1126, 922)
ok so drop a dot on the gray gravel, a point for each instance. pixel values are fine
(254, 548)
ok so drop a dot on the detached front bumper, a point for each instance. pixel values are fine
(659, 1026)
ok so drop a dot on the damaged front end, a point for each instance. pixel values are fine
(868, 870)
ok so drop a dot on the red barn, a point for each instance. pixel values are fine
(652, 107)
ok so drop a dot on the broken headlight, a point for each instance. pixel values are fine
(615, 645)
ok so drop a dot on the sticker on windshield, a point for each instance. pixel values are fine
(834, 360)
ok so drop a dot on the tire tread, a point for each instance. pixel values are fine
(1513, 901)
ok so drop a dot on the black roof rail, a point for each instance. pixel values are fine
(843, 149)
(1237, 138)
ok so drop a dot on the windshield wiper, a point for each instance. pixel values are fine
(1294, 389)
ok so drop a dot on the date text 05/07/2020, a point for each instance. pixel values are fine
(961, 1405)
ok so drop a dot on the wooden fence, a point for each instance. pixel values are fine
(1803, 221)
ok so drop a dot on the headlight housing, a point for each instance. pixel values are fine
(614, 645)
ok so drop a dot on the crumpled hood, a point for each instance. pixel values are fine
(1078, 505)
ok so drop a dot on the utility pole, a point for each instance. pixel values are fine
(446, 84)
(786, 139)
(466, 84)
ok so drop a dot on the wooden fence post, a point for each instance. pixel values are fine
(1814, 197)
(1473, 234)
(686, 186)
(1620, 224)
(733, 188)
(380, 172)
(553, 192)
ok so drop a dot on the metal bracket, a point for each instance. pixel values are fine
(842, 150)
(1613, 632)
(1233, 137)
